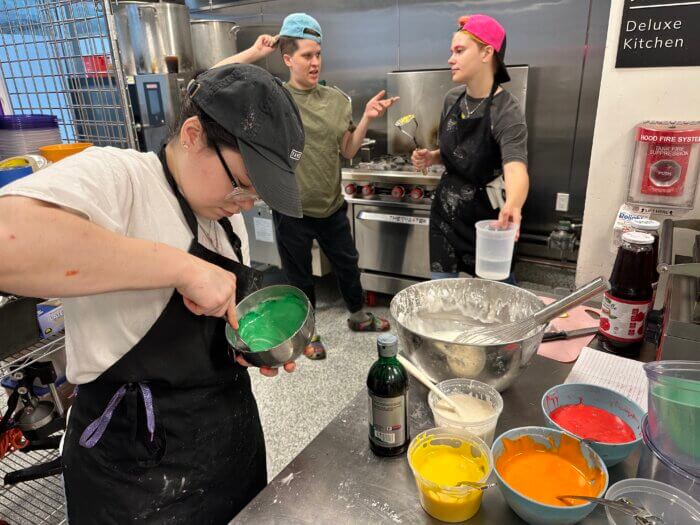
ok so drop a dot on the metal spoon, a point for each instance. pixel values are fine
(641, 515)
(476, 485)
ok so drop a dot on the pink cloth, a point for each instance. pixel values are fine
(568, 350)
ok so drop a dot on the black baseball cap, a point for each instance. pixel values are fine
(254, 107)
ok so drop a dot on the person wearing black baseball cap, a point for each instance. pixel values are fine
(148, 253)
(483, 145)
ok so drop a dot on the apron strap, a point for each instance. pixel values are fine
(184, 205)
(94, 431)
(190, 216)
(232, 238)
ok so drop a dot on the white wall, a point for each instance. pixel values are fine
(627, 97)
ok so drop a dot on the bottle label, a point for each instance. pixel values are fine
(387, 420)
(623, 320)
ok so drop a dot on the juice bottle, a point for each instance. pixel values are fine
(625, 306)
(651, 227)
(387, 386)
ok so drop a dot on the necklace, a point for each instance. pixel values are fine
(466, 104)
(213, 238)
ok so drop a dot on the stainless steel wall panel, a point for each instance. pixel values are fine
(422, 94)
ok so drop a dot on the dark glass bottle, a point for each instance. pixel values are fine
(651, 227)
(625, 306)
(387, 387)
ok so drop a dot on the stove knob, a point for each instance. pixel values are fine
(416, 193)
(367, 190)
(398, 192)
(350, 189)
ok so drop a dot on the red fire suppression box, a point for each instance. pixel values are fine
(666, 163)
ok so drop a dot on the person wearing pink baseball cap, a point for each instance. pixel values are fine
(483, 145)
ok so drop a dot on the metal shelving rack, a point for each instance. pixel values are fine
(31, 502)
(61, 57)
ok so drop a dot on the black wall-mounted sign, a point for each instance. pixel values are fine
(659, 33)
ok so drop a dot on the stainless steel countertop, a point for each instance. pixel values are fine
(337, 479)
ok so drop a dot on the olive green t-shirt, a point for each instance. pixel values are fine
(326, 115)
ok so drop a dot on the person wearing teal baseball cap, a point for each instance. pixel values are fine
(326, 114)
(483, 145)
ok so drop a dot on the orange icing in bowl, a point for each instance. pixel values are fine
(544, 472)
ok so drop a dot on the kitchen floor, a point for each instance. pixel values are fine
(295, 407)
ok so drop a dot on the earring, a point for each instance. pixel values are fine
(186, 146)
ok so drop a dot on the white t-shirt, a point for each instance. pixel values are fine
(126, 192)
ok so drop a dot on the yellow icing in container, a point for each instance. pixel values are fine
(442, 457)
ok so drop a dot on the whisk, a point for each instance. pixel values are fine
(408, 125)
(515, 331)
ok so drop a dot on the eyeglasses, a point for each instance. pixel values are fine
(238, 193)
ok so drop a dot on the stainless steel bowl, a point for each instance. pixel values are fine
(426, 312)
(284, 352)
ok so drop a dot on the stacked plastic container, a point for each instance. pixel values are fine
(671, 430)
(23, 134)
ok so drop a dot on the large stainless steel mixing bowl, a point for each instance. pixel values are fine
(426, 313)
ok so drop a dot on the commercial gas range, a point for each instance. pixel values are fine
(389, 208)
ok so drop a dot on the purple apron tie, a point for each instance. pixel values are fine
(93, 432)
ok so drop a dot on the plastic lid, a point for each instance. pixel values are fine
(19, 122)
(387, 345)
(637, 238)
(645, 224)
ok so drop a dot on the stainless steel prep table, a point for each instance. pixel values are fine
(336, 479)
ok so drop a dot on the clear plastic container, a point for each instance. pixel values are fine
(674, 411)
(482, 428)
(494, 249)
(654, 465)
(24, 134)
(451, 504)
(664, 501)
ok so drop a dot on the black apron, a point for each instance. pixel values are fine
(170, 433)
(472, 159)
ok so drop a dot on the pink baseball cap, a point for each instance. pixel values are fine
(488, 31)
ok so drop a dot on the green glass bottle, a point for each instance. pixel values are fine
(387, 386)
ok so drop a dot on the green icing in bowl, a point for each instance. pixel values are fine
(272, 322)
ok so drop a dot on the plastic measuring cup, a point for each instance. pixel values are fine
(494, 249)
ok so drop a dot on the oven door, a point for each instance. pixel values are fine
(393, 240)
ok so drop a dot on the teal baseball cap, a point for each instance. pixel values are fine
(301, 25)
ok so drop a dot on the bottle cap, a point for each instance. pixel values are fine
(645, 225)
(387, 345)
(637, 238)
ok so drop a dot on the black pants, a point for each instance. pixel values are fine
(294, 239)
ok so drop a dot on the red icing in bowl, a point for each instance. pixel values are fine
(593, 423)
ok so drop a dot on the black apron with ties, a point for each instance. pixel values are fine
(170, 433)
(472, 159)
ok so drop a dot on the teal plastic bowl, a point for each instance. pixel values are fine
(532, 511)
(599, 397)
